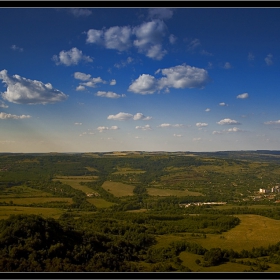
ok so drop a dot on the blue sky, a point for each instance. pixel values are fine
(149, 79)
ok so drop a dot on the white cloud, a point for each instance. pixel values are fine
(80, 88)
(3, 105)
(201, 124)
(227, 65)
(145, 84)
(227, 121)
(95, 36)
(82, 76)
(146, 127)
(140, 116)
(268, 59)
(113, 82)
(118, 38)
(24, 91)
(181, 76)
(207, 110)
(172, 39)
(71, 57)
(273, 122)
(80, 12)
(217, 132)
(223, 104)
(78, 123)
(4, 116)
(196, 139)
(165, 125)
(124, 63)
(234, 129)
(243, 95)
(177, 135)
(109, 94)
(148, 35)
(102, 128)
(161, 13)
(120, 116)
(16, 48)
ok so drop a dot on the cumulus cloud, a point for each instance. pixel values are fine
(120, 117)
(148, 39)
(160, 13)
(88, 81)
(201, 124)
(268, 59)
(103, 128)
(24, 91)
(113, 82)
(145, 127)
(16, 48)
(109, 94)
(228, 121)
(223, 104)
(80, 88)
(243, 95)
(71, 57)
(82, 76)
(273, 122)
(181, 76)
(163, 125)
(3, 105)
(207, 110)
(4, 116)
(140, 116)
(77, 123)
(116, 37)
(234, 129)
(80, 12)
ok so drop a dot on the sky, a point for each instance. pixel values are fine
(139, 79)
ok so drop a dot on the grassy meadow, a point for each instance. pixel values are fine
(118, 189)
(170, 192)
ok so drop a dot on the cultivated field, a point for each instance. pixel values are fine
(74, 182)
(23, 191)
(99, 202)
(31, 200)
(118, 189)
(128, 171)
(170, 192)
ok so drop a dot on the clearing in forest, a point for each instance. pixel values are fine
(118, 189)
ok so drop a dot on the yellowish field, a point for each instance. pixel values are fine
(100, 203)
(170, 192)
(80, 178)
(253, 231)
(30, 200)
(74, 183)
(118, 189)
(6, 211)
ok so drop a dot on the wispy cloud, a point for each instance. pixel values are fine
(164, 125)
(243, 95)
(227, 65)
(160, 13)
(272, 122)
(103, 128)
(207, 110)
(88, 81)
(181, 76)
(16, 48)
(109, 94)
(71, 57)
(80, 12)
(24, 91)
(223, 104)
(4, 116)
(268, 59)
(228, 121)
(177, 135)
(251, 57)
(3, 105)
(146, 127)
(140, 116)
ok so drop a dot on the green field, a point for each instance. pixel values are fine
(128, 171)
(6, 211)
(118, 189)
(99, 202)
(75, 183)
(23, 191)
(30, 200)
(170, 192)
